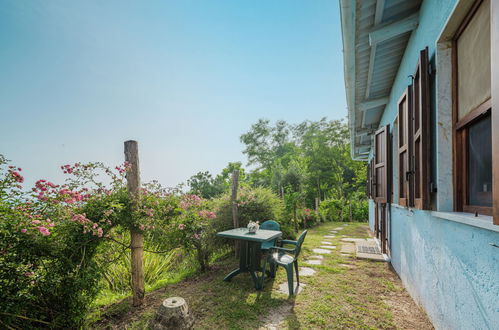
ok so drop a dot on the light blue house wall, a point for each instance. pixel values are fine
(445, 260)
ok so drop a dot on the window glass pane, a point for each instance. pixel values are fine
(480, 163)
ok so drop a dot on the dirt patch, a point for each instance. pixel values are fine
(275, 319)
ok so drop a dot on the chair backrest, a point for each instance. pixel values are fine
(270, 225)
(299, 242)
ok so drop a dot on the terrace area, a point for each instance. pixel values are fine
(339, 291)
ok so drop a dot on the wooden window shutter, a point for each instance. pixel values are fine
(420, 162)
(381, 165)
(494, 29)
(405, 145)
(369, 181)
(370, 177)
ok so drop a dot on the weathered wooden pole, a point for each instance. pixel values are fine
(235, 218)
(350, 207)
(137, 237)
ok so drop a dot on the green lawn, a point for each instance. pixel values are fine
(345, 293)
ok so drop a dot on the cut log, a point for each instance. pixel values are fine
(173, 314)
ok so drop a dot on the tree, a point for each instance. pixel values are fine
(203, 184)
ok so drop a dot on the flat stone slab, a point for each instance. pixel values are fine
(326, 242)
(307, 271)
(317, 257)
(351, 240)
(346, 266)
(283, 288)
(329, 236)
(348, 248)
(333, 232)
(313, 262)
(369, 256)
(331, 247)
(338, 228)
(323, 251)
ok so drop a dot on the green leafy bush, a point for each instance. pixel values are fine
(253, 204)
(339, 209)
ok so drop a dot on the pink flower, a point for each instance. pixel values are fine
(28, 274)
(44, 231)
(181, 226)
(18, 177)
(36, 222)
(196, 236)
(149, 212)
(51, 225)
(24, 230)
(142, 227)
(100, 232)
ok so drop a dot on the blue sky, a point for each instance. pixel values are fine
(184, 78)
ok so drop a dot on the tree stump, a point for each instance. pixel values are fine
(173, 314)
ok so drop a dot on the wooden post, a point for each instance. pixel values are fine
(294, 215)
(137, 237)
(235, 219)
(350, 206)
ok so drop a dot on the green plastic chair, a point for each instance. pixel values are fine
(286, 258)
(269, 225)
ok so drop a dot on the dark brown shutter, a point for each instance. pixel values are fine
(381, 165)
(405, 148)
(494, 44)
(369, 180)
(421, 132)
(372, 179)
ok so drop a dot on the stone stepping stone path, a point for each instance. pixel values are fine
(331, 247)
(283, 288)
(333, 232)
(346, 266)
(329, 236)
(338, 228)
(317, 257)
(313, 262)
(348, 248)
(326, 242)
(307, 271)
(321, 251)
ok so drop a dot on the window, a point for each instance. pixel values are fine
(414, 139)
(472, 112)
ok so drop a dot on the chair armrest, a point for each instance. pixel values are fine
(285, 241)
(282, 249)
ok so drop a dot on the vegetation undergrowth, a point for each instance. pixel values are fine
(345, 293)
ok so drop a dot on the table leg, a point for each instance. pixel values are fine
(243, 261)
(255, 256)
(249, 261)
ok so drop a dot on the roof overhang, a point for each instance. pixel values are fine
(375, 35)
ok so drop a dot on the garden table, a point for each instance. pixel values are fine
(249, 253)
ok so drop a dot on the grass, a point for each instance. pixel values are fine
(345, 293)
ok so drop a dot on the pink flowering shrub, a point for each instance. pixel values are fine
(195, 228)
(50, 235)
(310, 217)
